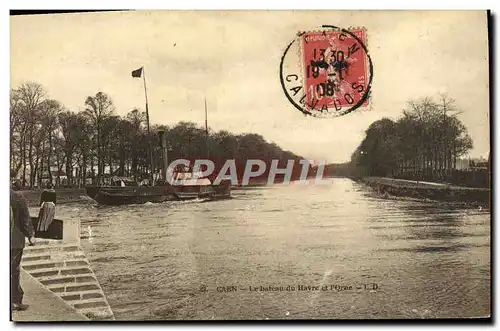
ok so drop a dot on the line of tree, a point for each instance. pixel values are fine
(424, 143)
(95, 143)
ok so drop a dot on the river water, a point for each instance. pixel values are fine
(331, 251)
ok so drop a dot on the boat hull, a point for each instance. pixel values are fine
(116, 196)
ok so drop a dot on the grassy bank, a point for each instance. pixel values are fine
(427, 190)
(64, 195)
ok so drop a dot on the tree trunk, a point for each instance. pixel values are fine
(40, 177)
(122, 165)
(36, 170)
(76, 178)
(110, 161)
(99, 160)
(24, 163)
(83, 170)
(57, 171)
(91, 168)
(60, 164)
(68, 168)
(134, 165)
(49, 155)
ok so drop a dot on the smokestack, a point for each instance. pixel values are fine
(163, 144)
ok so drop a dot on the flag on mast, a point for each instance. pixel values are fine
(137, 72)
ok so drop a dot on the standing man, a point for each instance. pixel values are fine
(20, 227)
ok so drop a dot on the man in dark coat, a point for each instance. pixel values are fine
(21, 226)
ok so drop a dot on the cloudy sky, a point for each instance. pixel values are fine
(233, 57)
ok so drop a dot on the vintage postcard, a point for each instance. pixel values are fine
(250, 165)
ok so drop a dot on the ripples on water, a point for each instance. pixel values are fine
(428, 259)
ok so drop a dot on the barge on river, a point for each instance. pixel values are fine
(184, 187)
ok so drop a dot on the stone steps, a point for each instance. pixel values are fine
(64, 269)
(80, 278)
(82, 295)
(28, 250)
(88, 303)
(93, 314)
(74, 287)
(46, 264)
(36, 257)
(50, 242)
(45, 252)
(41, 242)
(58, 271)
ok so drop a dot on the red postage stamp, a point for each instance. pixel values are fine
(335, 68)
(336, 71)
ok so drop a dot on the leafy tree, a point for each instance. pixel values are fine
(424, 143)
(46, 137)
(98, 109)
(25, 103)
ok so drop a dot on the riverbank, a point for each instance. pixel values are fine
(78, 195)
(64, 195)
(428, 190)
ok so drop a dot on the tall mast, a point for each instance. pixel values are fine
(149, 130)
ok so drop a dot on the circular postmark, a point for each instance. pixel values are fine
(327, 72)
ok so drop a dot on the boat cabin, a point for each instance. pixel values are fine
(189, 179)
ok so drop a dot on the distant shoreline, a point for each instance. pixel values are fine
(428, 190)
(383, 185)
